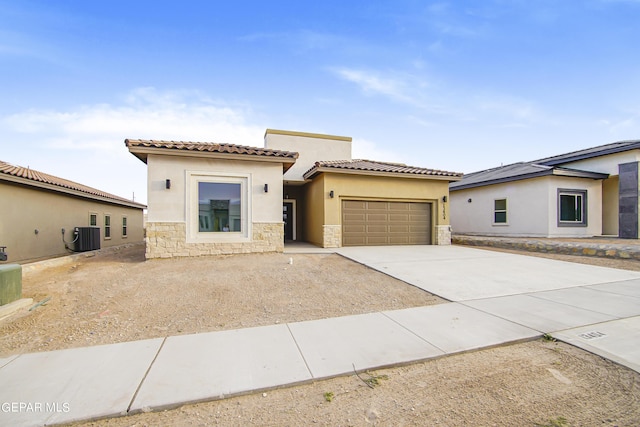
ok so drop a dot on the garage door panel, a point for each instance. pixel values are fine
(418, 240)
(354, 204)
(399, 240)
(377, 217)
(399, 206)
(376, 240)
(377, 206)
(355, 228)
(376, 228)
(385, 223)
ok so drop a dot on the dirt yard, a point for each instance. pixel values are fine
(119, 297)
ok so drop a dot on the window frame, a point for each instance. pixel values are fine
(194, 235)
(107, 226)
(584, 207)
(125, 227)
(93, 215)
(505, 211)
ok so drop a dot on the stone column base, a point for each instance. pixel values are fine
(443, 234)
(331, 236)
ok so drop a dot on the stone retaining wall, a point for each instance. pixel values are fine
(586, 248)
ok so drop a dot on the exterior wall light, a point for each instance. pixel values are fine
(331, 194)
(167, 184)
(266, 188)
(444, 199)
(469, 200)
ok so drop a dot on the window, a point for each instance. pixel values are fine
(93, 220)
(500, 211)
(107, 226)
(219, 207)
(572, 208)
(124, 226)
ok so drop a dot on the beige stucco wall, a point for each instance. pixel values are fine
(314, 211)
(168, 205)
(610, 206)
(26, 209)
(531, 208)
(264, 230)
(310, 148)
(327, 217)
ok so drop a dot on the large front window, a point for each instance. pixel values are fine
(219, 207)
(572, 207)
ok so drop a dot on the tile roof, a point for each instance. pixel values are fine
(360, 165)
(28, 176)
(206, 147)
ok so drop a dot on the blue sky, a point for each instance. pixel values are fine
(454, 85)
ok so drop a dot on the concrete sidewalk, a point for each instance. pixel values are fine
(112, 380)
(499, 299)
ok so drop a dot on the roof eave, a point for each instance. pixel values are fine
(142, 153)
(550, 172)
(614, 150)
(320, 169)
(69, 191)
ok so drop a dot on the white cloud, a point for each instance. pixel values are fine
(372, 83)
(146, 113)
(86, 143)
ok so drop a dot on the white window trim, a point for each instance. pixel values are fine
(104, 222)
(506, 211)
(123, 226)
(192, 210)
(96, 216)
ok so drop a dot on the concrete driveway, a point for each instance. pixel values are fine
(595, 308)
(460, 273)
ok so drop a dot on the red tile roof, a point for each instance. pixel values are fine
(374, 166)
(208, 147)
(35, 178)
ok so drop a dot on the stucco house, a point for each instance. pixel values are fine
(40, 213)
(586, 193)
(207, 198)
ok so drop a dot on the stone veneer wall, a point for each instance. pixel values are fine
(331, 236)
(168, 239)
(443, 234)
(578, 246)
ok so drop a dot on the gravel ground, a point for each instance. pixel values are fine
(119, 297)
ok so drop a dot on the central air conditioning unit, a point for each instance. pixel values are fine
(87, 239)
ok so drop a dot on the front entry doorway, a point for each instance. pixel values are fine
(289, 218)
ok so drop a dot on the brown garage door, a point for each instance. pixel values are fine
(370, 223)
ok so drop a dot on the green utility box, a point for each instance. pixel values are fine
(10, 283)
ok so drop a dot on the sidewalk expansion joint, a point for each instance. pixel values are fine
(133, 399)
(412, 332)
(300, 351)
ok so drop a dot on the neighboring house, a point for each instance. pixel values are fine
(586, 193)
(207, 198)
(36, 207)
